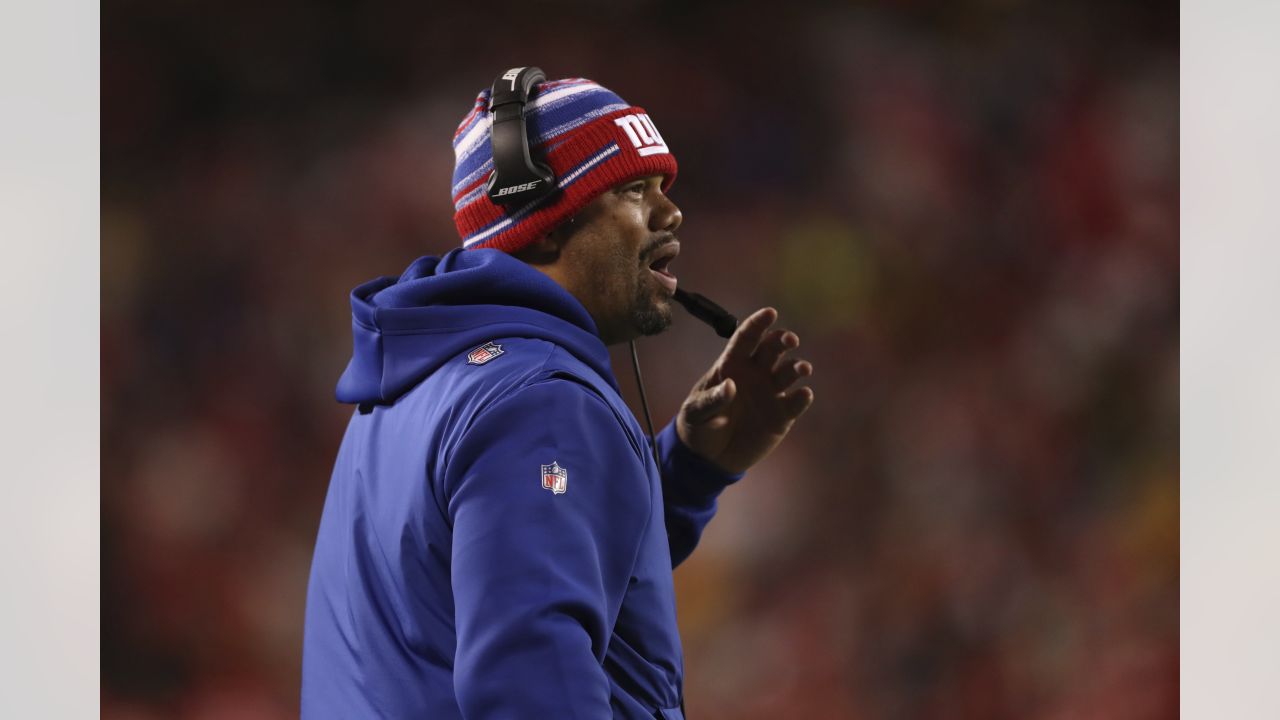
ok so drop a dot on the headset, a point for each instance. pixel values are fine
(520, 177)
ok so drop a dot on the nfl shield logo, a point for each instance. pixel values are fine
(484, 353)
(555, 478)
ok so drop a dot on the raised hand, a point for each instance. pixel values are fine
(740, 410)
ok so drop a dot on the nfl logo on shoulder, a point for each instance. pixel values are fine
(484, 353)
(555, 478)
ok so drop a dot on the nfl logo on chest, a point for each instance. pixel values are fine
(555, 478)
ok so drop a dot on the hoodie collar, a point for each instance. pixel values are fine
(405, 328)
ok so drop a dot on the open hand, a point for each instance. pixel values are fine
(740, 410)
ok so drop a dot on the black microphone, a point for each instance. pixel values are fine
(708, 312)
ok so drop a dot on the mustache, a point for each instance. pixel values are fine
(658, 242)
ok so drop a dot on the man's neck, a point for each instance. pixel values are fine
(557, 272)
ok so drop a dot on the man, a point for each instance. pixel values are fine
(497, 541)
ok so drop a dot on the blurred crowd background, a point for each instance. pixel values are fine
(967, 210)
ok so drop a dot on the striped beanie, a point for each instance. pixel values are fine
(592, 139)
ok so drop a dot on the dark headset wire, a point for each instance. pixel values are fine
(712, 314)
(644, 403)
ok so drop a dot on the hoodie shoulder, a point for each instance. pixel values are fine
(490, 371)
(503, 365)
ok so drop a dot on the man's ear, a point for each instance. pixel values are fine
(546, 249)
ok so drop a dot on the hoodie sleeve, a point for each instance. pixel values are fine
(690, 485)
(539, 573)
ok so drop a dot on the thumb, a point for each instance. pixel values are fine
(706, 404)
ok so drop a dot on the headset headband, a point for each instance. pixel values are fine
(517, 178)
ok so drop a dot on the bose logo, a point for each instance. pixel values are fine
(518, 188)
(644, 136)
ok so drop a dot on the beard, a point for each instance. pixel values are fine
(624, 298)
(649, 314)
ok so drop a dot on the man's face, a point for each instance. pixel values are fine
(618, 256)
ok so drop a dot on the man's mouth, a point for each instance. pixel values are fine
(660, 265)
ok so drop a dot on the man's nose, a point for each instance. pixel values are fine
(667, 216)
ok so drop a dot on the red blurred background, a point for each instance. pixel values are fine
(967, 210)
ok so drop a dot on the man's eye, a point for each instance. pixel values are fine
(637, 188)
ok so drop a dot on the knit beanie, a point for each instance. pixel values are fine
(591, 138)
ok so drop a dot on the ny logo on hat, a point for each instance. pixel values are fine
(555, 478)
(644, 136)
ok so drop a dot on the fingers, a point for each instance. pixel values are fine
(747, 337)
(706, 404)
(795, 402)
(791, 371)
(774, 345)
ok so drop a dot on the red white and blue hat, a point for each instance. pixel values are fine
(591, 138)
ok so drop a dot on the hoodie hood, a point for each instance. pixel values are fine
(405, 328)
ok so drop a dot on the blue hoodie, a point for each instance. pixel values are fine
(496, 541)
